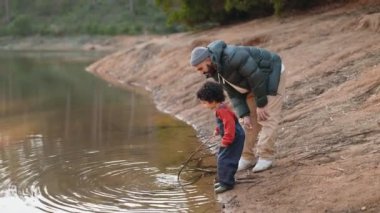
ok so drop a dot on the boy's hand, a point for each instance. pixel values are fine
(216, 133)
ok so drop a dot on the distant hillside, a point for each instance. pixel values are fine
(72, 17)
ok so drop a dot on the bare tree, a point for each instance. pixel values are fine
(131, 7)
(7, 16)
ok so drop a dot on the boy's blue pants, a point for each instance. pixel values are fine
(228, 159)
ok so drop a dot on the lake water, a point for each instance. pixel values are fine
(70, 142)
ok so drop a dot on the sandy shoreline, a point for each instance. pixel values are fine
(328, 140)
(66, 43)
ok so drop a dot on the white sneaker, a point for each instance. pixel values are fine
(244, 164)
(262, 165)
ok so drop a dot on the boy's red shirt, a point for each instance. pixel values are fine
(228, 118)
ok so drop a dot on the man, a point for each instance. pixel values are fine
(254, 80)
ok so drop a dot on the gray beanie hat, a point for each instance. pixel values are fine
(198, 55)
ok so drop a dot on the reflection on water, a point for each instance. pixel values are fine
(71, 143)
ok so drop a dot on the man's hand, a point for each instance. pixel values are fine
(262, 114)
(247, 123)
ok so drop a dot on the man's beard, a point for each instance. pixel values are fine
(210, 71)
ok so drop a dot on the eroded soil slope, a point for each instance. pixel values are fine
(329, 142)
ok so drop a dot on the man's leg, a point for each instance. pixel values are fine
(265, 149)
(248, 158)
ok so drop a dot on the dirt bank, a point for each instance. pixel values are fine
(329, 142)
(74, 43)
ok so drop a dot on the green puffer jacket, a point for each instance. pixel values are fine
(249, 67)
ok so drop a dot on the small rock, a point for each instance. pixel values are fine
(364, 208)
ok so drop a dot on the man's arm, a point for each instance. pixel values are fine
(257, 79)
(238, 101)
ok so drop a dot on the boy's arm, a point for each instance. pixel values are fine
(229, 127)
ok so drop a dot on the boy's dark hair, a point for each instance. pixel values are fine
(211, 91)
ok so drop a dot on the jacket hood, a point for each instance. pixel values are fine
(216, 49)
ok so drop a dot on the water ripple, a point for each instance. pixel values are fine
(73, 183)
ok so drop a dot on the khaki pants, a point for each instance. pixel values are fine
(265, 147)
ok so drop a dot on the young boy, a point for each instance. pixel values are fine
(212, 97)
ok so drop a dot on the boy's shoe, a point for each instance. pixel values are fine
(216, 185)
(221, 189)
(262, 165)
(244, 164)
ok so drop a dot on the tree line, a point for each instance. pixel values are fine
(203, 13)
(112, 17)
(90, 17)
